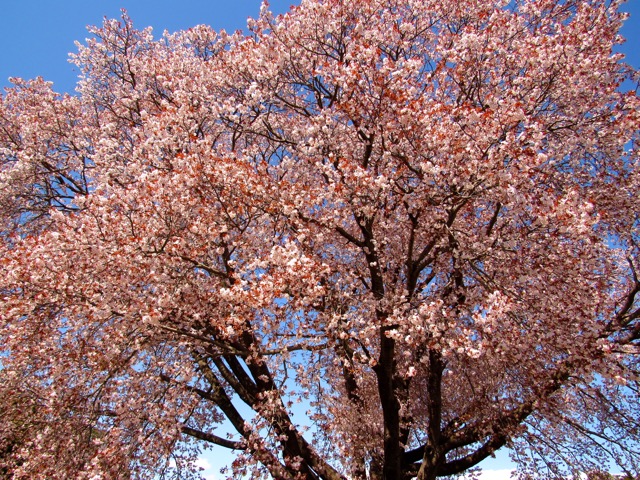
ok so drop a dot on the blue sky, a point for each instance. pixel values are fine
(36, 37)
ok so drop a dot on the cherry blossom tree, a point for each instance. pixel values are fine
(369, 239)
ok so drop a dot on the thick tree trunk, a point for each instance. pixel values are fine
(385, 370)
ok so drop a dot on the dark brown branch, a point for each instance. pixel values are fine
(494, 219)
(209, 437)
(454, 467)
(246, 392)
(349, 237)
(220, 397)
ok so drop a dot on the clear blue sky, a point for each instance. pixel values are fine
(36, 37)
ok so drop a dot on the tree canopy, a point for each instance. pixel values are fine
(416, 219)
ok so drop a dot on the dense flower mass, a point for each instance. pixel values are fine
(417, 219)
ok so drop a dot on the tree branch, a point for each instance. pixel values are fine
(209, 437)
